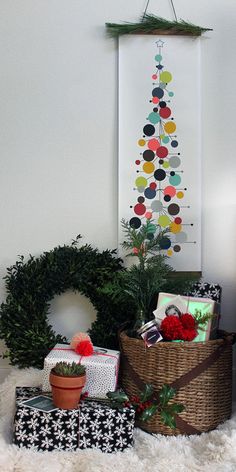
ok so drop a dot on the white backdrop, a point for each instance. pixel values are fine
(58, 121)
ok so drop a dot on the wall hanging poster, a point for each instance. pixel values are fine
(159, 141)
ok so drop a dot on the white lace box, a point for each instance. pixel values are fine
(102, 368)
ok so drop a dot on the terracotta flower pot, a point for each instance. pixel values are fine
(66, 391)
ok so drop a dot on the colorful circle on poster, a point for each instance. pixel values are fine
(153, 144)
(165, 139)
(166, 165)
(171, 94)
(160, 174)
(178, 220)
(141, 142)
(150, 193)
(153, 185)
(165, 243)
(169, 252)
(149, 130)
(135, 222)
(164, 221)
(169, 127)
(175, 179)
(155, 100)
(154, 76)
(157, 206)
(169, 190)
(167, 198)
(162, 152)
(162, 104)
(165, 112)
(166, 76)
(139, 209)
(177, 248)
(181, 237)
(141, 182)
(148, 155)
(137, 162)
(141, 199)
(148, 215)
(157, 92)
(158, 57)
(174, 228)
(174, 162)
(180, 195)
(154, 117)
(141, 189)
(148, 167)
(174, 143)
(173, 209)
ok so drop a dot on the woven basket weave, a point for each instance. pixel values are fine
(200, 372)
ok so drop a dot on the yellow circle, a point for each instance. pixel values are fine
(170, 127)
(166, 165)
(148, 167)
(169, 252)
(174, 228)
(180, 194)
(141, 182)
(164, 221)
(166, 76)
(141, 142)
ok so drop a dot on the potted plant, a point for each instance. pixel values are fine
(67, 381)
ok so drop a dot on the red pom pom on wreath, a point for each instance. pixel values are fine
(189, 334)
(188, 321)
(171, 328)
(84, 348)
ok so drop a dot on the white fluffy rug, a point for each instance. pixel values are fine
(211, 452)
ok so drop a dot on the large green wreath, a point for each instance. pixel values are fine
(31, 285)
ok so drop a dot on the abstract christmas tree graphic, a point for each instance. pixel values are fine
(158, 186)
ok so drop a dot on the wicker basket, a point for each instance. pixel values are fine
(200, 372)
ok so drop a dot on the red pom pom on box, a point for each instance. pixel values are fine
(171, 328)
(84, 348)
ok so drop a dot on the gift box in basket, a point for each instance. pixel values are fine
(102, 368)
(40, 426)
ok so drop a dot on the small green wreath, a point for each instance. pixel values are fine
(31, 285)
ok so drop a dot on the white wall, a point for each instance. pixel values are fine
(58, 122)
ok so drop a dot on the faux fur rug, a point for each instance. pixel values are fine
(211, 452)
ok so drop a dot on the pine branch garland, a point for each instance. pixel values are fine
(150, 23)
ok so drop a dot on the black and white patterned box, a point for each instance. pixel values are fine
(93, 425)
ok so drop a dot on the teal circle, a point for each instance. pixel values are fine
(171, 94)
(158, 57)
(154, 117)
(166, 139)
(175, 180)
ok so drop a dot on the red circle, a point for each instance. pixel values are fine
(170, 190)
(137, 162)
(178, 220)
(139, 209)
(153, 144)
(154, 76)
(162, 152)
(153, 185)
(165, 112)
(155, 100)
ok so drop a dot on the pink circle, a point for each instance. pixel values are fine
(154, 76)
(137, 162)
(153, 144)
(165, 112)
(148, 215)
(162, 152)
(153, 185)
(155, 100)
(139, 209)
(171, 191)
(178, 220)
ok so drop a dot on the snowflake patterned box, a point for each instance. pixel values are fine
(102, 368)
(93, 425)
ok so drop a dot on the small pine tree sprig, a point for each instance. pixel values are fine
(202, 318)
(69, 370)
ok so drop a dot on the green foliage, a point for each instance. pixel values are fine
(150, 23)
(69, 370)
(32, 284)
(147, 405)
(202, 318)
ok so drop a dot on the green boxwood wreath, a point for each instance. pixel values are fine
(31, 285)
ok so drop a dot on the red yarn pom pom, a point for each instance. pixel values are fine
(171, 328)
(188, 321)
(84, 348)
(189, 334)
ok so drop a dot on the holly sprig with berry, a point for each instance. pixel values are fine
(146, 405)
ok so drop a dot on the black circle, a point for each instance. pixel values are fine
(172, 173)
(157, 92)
(135, 222)
(141, 199)
(155, 110)
(160, 174)
(173, 209)
(160, 66)
(148, 155)
(162, 104)
(177, 248)
(167, 198)
(161, 161)
(149, 130)
(174, 143)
